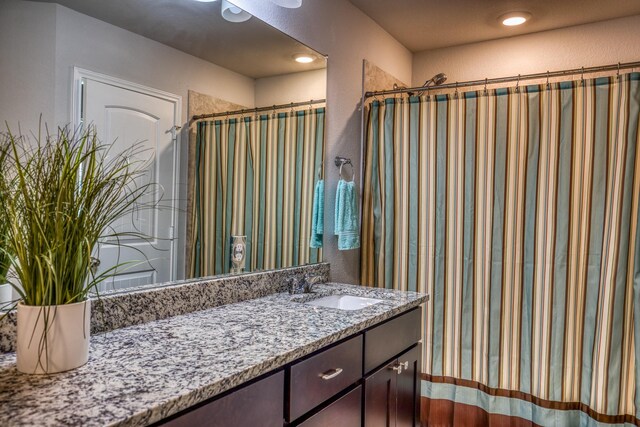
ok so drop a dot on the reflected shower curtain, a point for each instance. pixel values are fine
(255, 176)
(517, 211)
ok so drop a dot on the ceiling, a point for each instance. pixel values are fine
(431, 24)
(251, 48)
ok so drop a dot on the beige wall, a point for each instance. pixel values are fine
(27, 60)
(294, 87)
(600, 43)
(341, 31)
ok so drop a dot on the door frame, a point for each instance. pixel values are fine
(77, 120)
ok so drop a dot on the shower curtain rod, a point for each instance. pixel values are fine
(619, 66)
(259, 109)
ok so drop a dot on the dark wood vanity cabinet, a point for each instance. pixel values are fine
(257, 404)
(370, 379)
(392, 372)
(392, 393)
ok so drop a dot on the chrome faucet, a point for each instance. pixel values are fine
(304, 285)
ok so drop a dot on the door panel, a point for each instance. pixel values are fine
(408, 389)
(123, 117)
(380, 397)
(128, 280)
(123, 126)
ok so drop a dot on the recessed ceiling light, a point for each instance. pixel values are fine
(206, 1)
(304, 58)
(514, 18)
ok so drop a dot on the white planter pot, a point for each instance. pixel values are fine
(64, 346)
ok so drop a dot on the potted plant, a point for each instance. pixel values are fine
(60, 194)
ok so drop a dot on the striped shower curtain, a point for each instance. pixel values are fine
(517, 211)
(255, 177)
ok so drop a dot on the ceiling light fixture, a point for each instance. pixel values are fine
(233, 13)
(513, 19)
(206, 1)
(304, 58)
(291, 4)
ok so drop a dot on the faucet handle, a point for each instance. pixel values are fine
(296, 286)
(310, 280)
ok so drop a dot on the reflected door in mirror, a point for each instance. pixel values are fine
(124, 117)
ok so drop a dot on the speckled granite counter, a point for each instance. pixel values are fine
(143, 304)
(144, 373)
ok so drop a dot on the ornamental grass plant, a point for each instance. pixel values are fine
(59, 195)
(5, 254)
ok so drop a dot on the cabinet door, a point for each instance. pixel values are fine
(380, 397)
(383, 342)
(408, 388)
(345, 412)
(258, 404)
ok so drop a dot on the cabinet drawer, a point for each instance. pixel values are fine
(391, 338)
(344, 412)
(258, 404)
(316, 379)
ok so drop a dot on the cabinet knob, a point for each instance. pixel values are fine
(332, 373)
(399, 366)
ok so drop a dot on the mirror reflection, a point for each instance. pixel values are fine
(231, 110)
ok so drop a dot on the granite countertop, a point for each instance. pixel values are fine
(141, 374)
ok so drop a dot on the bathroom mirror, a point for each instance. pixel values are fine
(139, 70)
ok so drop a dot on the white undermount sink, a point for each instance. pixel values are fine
(344, 302)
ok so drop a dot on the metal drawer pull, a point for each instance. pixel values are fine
(331, 374)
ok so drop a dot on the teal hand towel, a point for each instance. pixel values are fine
(317, 220)
(346, 216)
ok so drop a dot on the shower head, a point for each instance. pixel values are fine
(436, 80)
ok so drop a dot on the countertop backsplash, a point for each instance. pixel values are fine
(120, 309)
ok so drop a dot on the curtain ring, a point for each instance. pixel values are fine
(456, 92)
(486, 80)
(582, 76)
(618, 72)
(548, 80)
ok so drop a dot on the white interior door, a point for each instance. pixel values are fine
(123, 117)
